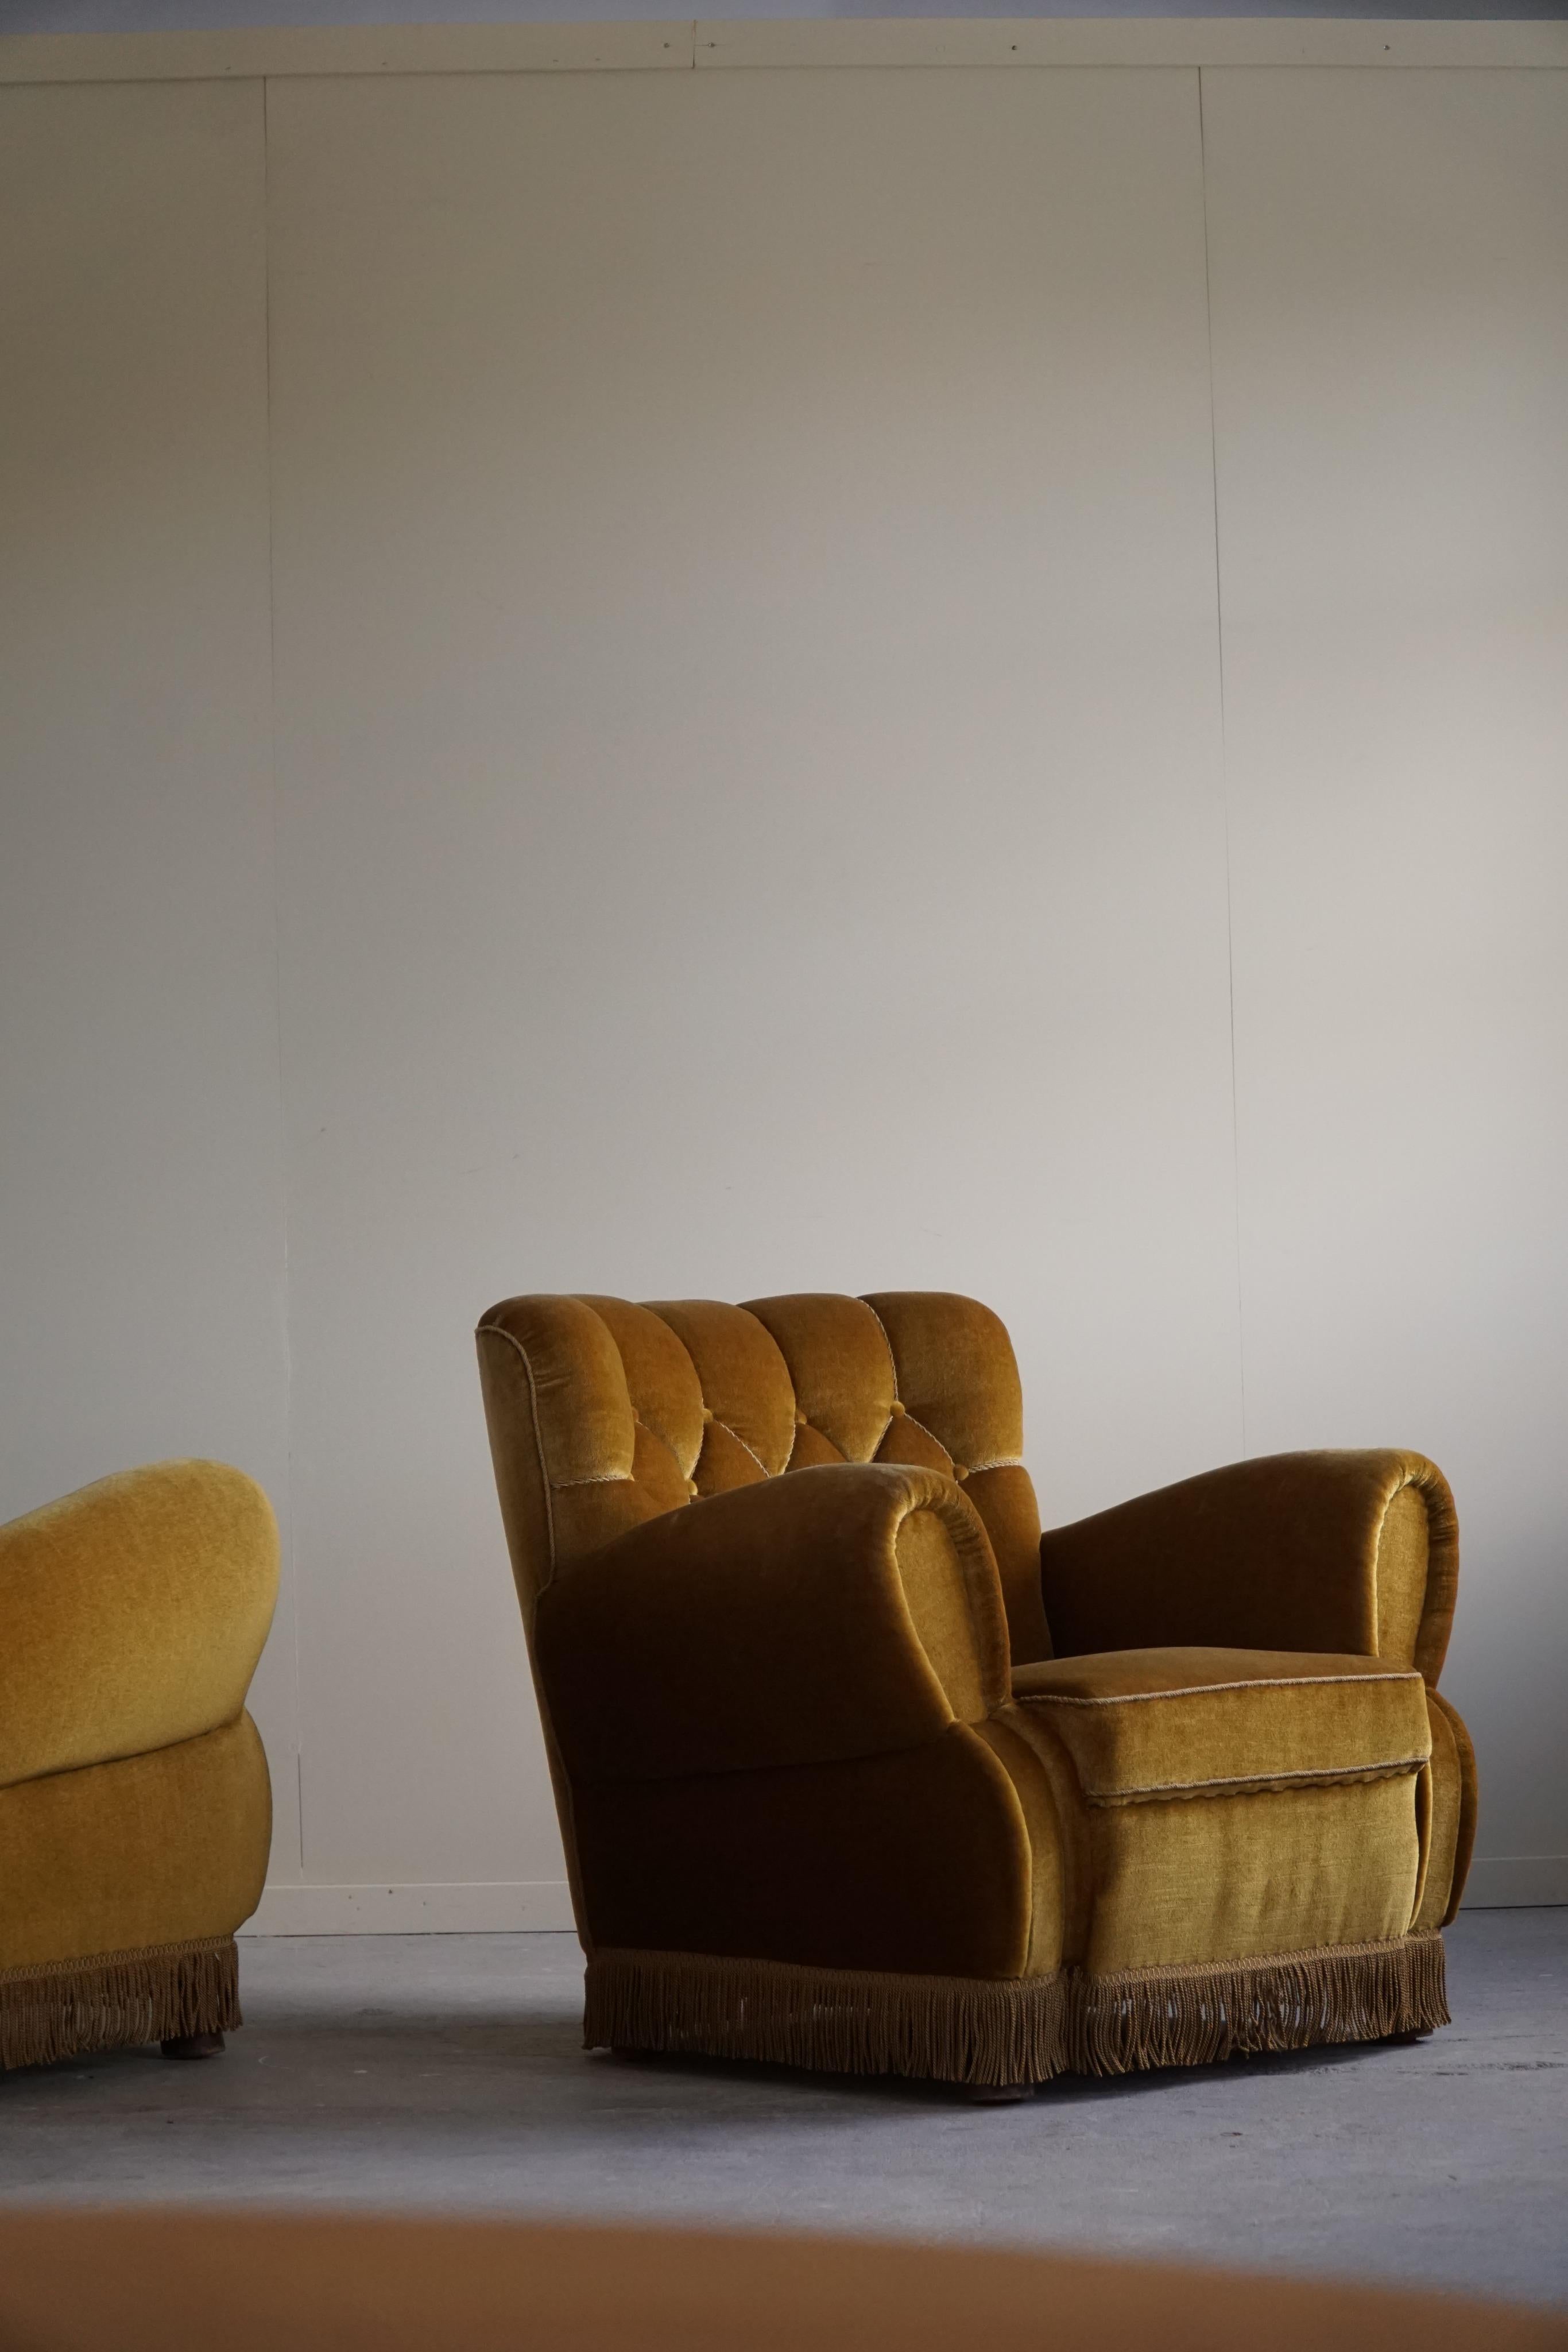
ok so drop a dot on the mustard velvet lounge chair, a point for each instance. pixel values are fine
(135, 1810)
(857, 1771)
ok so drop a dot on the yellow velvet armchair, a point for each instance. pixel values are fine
(856, 1771)
(135, 1809)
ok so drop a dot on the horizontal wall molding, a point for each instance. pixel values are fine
(501, 1906)
(1510, 1882)
(1126, 41)
(757, 43)
(249, 54)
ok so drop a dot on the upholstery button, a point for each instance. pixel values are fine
(799, 1420)
(959, 1470)
(708, 1412)
(691, 1485)
(896, 1410)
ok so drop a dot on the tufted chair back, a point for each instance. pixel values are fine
(604, 1414)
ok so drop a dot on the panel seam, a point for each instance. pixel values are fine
(296, 1595)
(1224, 763)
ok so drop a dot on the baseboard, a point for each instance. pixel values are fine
(488, 1908)
(1515, 1881)
(505, 1906)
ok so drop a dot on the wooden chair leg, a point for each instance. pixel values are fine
(193, 2045)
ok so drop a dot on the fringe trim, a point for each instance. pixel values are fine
(1199, 2015)
(840, 2021)
(61, 2009)
(1010, 2030)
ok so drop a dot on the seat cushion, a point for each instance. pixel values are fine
(1141, 1725)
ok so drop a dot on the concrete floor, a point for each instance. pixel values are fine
(443, 2072)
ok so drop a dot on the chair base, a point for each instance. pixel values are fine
(167, 1992)
(1012, 2033)
(193, 2045)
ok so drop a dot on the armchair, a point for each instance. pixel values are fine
(135, 1809)
(856, 1771)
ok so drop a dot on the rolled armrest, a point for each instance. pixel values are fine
(1354, 1552)
(829, 1613)
(131, 1615)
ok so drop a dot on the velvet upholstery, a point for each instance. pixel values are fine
(838, 1613)
(914, 1860)
(1236, 1877)
(154, 1849)
(1451, 1797)
(1354, 1553)
(1140, 1725)
(856, 1768)
(135, 1808)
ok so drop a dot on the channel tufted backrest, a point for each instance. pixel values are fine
(603, 1413)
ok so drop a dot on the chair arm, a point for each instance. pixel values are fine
(1354, 1552)
(131, 1615)
(833, 1613)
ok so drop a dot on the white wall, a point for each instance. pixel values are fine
(1389, 258)
(141, 1203)
(679, 619)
